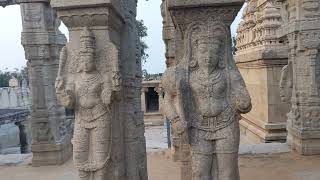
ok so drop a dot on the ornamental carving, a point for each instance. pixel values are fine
(81, 86)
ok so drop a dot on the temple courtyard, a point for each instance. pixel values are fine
(257, 162)
(286, 166)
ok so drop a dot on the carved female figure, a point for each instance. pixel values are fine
(211, 95)
(90, 96)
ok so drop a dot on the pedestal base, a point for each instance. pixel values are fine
(265, 133)
(304, 142)
(51, 154)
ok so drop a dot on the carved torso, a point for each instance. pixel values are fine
(89, 105)
(88, 91)
(209, 92)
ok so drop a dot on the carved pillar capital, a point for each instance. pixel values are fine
(99, 13)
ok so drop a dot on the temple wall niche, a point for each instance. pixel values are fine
(260, 57)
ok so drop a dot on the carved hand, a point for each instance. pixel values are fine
(179, 126)
(243, 104)
(59, 85)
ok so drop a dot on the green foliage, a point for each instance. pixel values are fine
(141, 44)
(6, 75)
(4, 79)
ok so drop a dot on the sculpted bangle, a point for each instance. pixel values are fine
(175, 119)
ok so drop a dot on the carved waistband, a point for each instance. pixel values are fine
(89, 115)
(214, 123)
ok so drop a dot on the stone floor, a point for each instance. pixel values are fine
(257, 162)
(289, 166)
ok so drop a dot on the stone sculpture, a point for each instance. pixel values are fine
(204, 95)
(286, 83)
(91, 97)
(100, 77)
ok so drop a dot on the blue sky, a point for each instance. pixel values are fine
(12, 53)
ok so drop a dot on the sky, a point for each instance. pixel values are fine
(12, 52)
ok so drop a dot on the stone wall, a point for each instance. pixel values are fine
(15, 97)
(260, 57)
(9, 137)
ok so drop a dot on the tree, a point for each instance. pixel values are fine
(6, 75)
(141, 44)
(4, 79)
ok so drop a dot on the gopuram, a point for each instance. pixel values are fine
(100, 78)
(260, 57)
(300, 81)
(203, 91)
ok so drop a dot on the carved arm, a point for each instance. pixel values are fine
(66, 96)
(239, 93)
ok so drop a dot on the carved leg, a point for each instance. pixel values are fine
(201, 166)
(201, 152)
(81, 150)
(101, 148)
(226, 161)
(228, 166)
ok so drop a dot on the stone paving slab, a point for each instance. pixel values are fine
(270, 148)
(14, 159)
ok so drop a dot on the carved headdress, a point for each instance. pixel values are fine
(87, 42)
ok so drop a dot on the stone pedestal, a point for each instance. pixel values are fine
(42, 42)
(260, 57)
(301, 32)
(106, 30)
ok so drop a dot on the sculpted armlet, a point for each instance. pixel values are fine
(106, 94)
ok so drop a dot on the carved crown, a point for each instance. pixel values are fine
(87, 41)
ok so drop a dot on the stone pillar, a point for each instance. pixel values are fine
(143, 99)
(191, 21)
(112, 40)
(301, 32)
(42, 42)
(23, 138)
(260, 57)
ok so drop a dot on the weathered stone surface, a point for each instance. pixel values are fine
(18, 97)
(203, 90)
(260, 57)
(42, 42)
(301, 32)
(100, 78)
